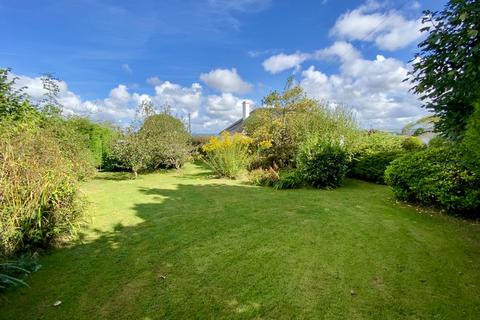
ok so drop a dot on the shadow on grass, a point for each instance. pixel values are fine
(124, 272)
(114, 176)
(230, 251)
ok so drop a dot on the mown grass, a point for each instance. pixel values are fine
(182, 246)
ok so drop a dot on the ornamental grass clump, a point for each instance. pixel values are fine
(39, 199)
(228, 155)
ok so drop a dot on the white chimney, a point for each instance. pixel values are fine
(246, 109)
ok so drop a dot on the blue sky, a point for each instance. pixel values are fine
(206, 56)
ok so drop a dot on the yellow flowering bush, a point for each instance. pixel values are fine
(265, 144)
(228, 154)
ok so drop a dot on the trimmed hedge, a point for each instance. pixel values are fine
(371, 167)
(437, 176)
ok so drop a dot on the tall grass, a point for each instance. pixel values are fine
(39, 199)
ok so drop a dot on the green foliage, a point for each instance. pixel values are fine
(322, 163)
(38, 187)
(263, 177)
(373, 153)
(445, 72)
(166, 140)
(130, 152)
(13, 103)
(371, 167)
(378, 141)
(98, 138)
(472, 135)
(437, 176)
(412, 144)
(228, 155)
(162, 142)
(289, 179)
(289, 119)
(439, 141)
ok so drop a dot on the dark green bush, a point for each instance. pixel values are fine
(371, 167)
(437, 176)
(471, 140)
(289, 179)
(322, 163)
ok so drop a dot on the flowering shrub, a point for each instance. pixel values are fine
(227, 155)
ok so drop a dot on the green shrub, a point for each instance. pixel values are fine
(373, 154)
(228, 155)
(166, 140)
(263, 177)
(96, 137)
(161, 143)
(323, 164)
(412, 144)
(40, 203)
(378, 142)
(289, 120)
(439, 141)
(371, 167)
(289, 179)
(437, 176)
(471, 140)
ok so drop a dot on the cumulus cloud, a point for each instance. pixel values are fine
(282, 62)
(388, 30)
(374, 89)
(226, 80)
(209, 113)
(342, 50)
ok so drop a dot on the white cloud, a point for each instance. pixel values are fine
(388, 30)
(281, 62)
(209, 113)
(226, 80)
(374, 89)
(182, 100)
(342, 50)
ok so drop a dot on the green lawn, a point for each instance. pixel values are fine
(179, 245)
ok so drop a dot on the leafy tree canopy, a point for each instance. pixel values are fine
(446, 72)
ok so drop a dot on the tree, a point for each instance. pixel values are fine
(167, 141)
(446, 72)
(13, 102)
(162, 141)
(131, 151)
(289, 118)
